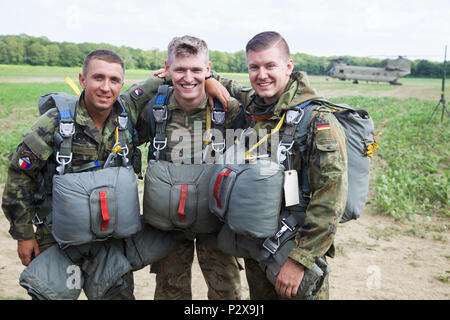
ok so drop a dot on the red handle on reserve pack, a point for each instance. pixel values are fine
(182, 205)
(104, 209)
(217, 186)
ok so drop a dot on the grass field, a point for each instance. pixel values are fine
(410, 170)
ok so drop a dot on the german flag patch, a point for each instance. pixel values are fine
(323, 126)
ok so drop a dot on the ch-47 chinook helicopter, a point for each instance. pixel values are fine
(394, 69)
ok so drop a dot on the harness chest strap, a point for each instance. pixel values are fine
(158, 114)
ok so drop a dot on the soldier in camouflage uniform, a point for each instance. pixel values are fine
(188, 66)
(102, 81)
(277, 88)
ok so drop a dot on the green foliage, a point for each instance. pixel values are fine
(23, 49)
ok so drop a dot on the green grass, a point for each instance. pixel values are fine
(8, 72)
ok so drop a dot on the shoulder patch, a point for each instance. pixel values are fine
(26, 159)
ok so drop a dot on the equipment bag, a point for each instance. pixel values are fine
(176, 197)
(150, 245)
(359, 129)
(94, 205)
(52, 276)
(248, 197)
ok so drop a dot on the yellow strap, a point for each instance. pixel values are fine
(73, 86)
(117, 148)
(275, 130)
(208, 125)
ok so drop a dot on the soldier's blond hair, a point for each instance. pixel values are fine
(266, 40)
(102, 54)
(186, 46)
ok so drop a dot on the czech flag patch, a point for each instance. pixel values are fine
(138, 92)
(26, 159)
(25, 163)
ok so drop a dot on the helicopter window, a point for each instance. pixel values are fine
(341, 70)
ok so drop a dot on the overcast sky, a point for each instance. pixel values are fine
(375, 28)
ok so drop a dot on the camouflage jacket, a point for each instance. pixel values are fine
(28, 163)
(185, 130)
(327, 164)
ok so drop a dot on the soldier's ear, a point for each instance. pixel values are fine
(167, 68)
(82, 79)
(290, 67)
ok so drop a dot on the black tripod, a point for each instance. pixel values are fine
(442, 101)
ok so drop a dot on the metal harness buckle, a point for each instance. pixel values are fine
(218, 117)
(66, 129)
(293, 117)
(272, 244)
(123, 122)
(60, 159)
(160, 114)
(220, 146)
(36, 221)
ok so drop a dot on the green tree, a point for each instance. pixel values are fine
(4, 58)
(70, 55)
(16, 49)
(53, 55)
(37, 54)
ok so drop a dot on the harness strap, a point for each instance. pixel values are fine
(275, 130)
(218, 119)
(88, 166)
(294, 218)
(217, 186)
(63, 138)
(182, 204)
(157, 116)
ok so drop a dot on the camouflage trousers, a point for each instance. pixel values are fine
(262, 289)
(45, 240)
(174, 272)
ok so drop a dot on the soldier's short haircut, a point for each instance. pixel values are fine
(185, 46)
(266, 40)
(102, 54)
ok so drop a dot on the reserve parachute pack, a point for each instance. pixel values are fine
(257, 215)
(97, 200)
(176, 194)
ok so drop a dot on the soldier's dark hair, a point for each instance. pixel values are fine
(186, 46)
(266, 40)
(102, 54)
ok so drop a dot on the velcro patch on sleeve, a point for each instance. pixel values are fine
(26, 159)
(322, 126)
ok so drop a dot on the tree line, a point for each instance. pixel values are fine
(24, 49)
